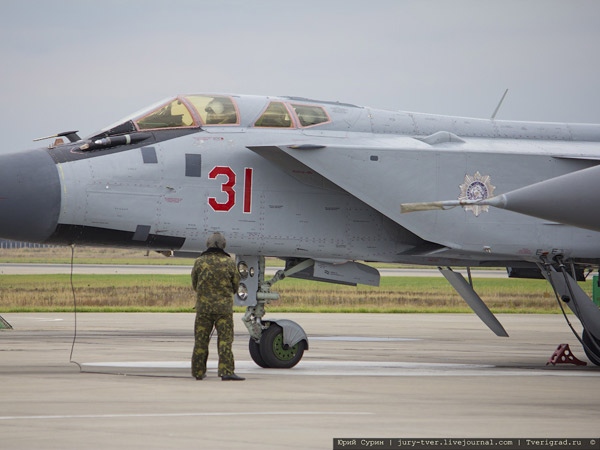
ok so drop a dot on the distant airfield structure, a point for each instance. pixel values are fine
(7, 244)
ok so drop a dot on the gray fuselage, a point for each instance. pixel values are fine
(328, 191)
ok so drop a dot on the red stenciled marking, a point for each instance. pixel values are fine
(226, 187)
(248, 190)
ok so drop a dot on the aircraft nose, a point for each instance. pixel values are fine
(29, 196)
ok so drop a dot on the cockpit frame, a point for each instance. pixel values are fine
(193, 111)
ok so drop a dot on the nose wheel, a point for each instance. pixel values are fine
(254, 348)
(275, 353)
(272, 352)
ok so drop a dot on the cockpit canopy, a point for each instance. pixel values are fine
(194, 111)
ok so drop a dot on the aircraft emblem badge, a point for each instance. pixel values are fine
(476, 187)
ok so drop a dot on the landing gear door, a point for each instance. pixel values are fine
(248, 267)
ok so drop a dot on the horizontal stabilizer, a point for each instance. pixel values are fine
(465, 290)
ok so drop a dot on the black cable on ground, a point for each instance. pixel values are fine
(141, 375)
(75, 336)
(74, 310)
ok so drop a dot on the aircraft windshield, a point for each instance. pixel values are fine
(181, 112)
(141, 112)
(172, 115)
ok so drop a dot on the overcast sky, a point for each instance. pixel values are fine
(84, 64)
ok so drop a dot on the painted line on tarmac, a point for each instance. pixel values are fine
(202, 414)
(360, 369)
(40, 319)
(361, 339)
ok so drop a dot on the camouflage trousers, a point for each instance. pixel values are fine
(202, 329)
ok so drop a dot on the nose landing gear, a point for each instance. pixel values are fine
(274, 343)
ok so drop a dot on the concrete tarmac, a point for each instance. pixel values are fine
(365, 376)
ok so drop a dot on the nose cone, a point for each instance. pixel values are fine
(29, 196)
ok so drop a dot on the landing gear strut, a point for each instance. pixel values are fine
(591, 347)
(274, 343)
(569, 292)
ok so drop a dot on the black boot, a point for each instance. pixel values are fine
(232, 377)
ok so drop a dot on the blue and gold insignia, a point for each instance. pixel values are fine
(475, 188)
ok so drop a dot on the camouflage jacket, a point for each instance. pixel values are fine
(215, 279)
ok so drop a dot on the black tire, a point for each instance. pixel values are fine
(591, 351)
(277, 355)
(254, 348)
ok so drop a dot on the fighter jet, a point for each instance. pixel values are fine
(321, 185)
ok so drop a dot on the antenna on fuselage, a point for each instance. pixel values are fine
(499, 104)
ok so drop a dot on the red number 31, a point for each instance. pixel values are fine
(228, 187)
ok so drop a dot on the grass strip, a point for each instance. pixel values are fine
(173, 293)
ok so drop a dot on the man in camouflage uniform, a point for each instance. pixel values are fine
(215, 279)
